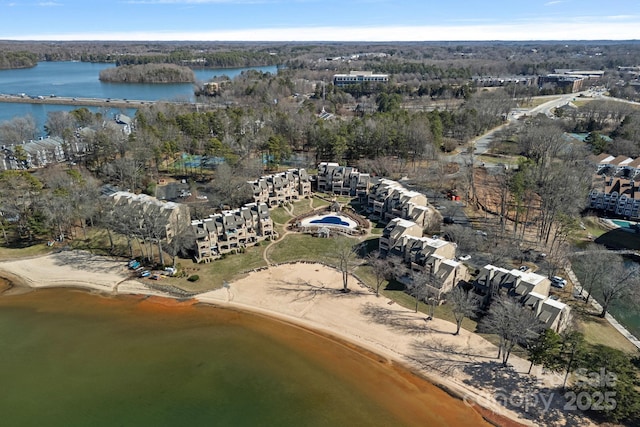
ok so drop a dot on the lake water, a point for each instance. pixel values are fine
(70, 358)
(80, 79)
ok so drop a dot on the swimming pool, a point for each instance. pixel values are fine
(624, 224)
(329, 220)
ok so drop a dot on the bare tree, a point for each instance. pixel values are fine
(591, 267)
(418, 290)
(380, 268)
(18, 130)
(344, 254)
(512, 322)
(463, 304)
(619, 283)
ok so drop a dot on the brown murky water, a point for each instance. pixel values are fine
(74, 358)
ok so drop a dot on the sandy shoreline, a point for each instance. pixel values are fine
(309, 295)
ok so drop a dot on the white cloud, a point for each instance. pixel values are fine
(576, 29)
(551, 3)
(49, 4)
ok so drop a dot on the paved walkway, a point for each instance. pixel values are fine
(628, 335)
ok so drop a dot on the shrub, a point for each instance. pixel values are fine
(193, 278)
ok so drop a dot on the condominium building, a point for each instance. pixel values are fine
(424, 255)
(282, 187)
(230, 231)
(169, 217)
(388, 199)
(343, 180)
(528, 288)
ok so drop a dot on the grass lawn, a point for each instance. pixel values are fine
(301, 207)
(279, 215)
(213, 274)
(581, 102)
(318, 203)
(28, 251)
(600, 331)
(395, 292)
(296, 247)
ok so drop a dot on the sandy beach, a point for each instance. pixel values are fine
(309, 295)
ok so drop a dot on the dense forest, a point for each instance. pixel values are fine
(148, 73)
(11, 60)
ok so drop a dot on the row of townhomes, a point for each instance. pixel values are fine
(171, 216)
(232, 230)
(388, 199)
(615, 186)
(407, 214)
(342, 180)
(38, 153)
(283, 187)
(43, 151)
(404, 238)
(530, 289)
(385, 199)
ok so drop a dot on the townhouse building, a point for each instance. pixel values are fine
(529, 289)
(388, 199)
(231, 231)
(342, 180)
(616, 186)
(403, 238)
(385, 199)
(282, 187)
(169, 217)
(33, 154)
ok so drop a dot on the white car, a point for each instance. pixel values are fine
(558, 282)
(464, 257)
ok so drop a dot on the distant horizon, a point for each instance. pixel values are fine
(380, 42)
(318, 20)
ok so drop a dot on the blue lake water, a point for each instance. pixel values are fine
(81, 79)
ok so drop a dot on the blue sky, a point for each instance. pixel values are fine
(320, 20)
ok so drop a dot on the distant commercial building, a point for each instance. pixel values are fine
(359, 77)
(496, 81)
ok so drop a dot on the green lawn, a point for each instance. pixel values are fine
(213, 274)
(297, 247)
(301, 207)
(318, 203)
(29, 251)
(279, 215)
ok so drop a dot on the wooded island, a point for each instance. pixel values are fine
(148, 73)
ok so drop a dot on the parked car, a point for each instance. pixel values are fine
(558, 282)
(524, 268)
(145, 273)
(464, 257)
